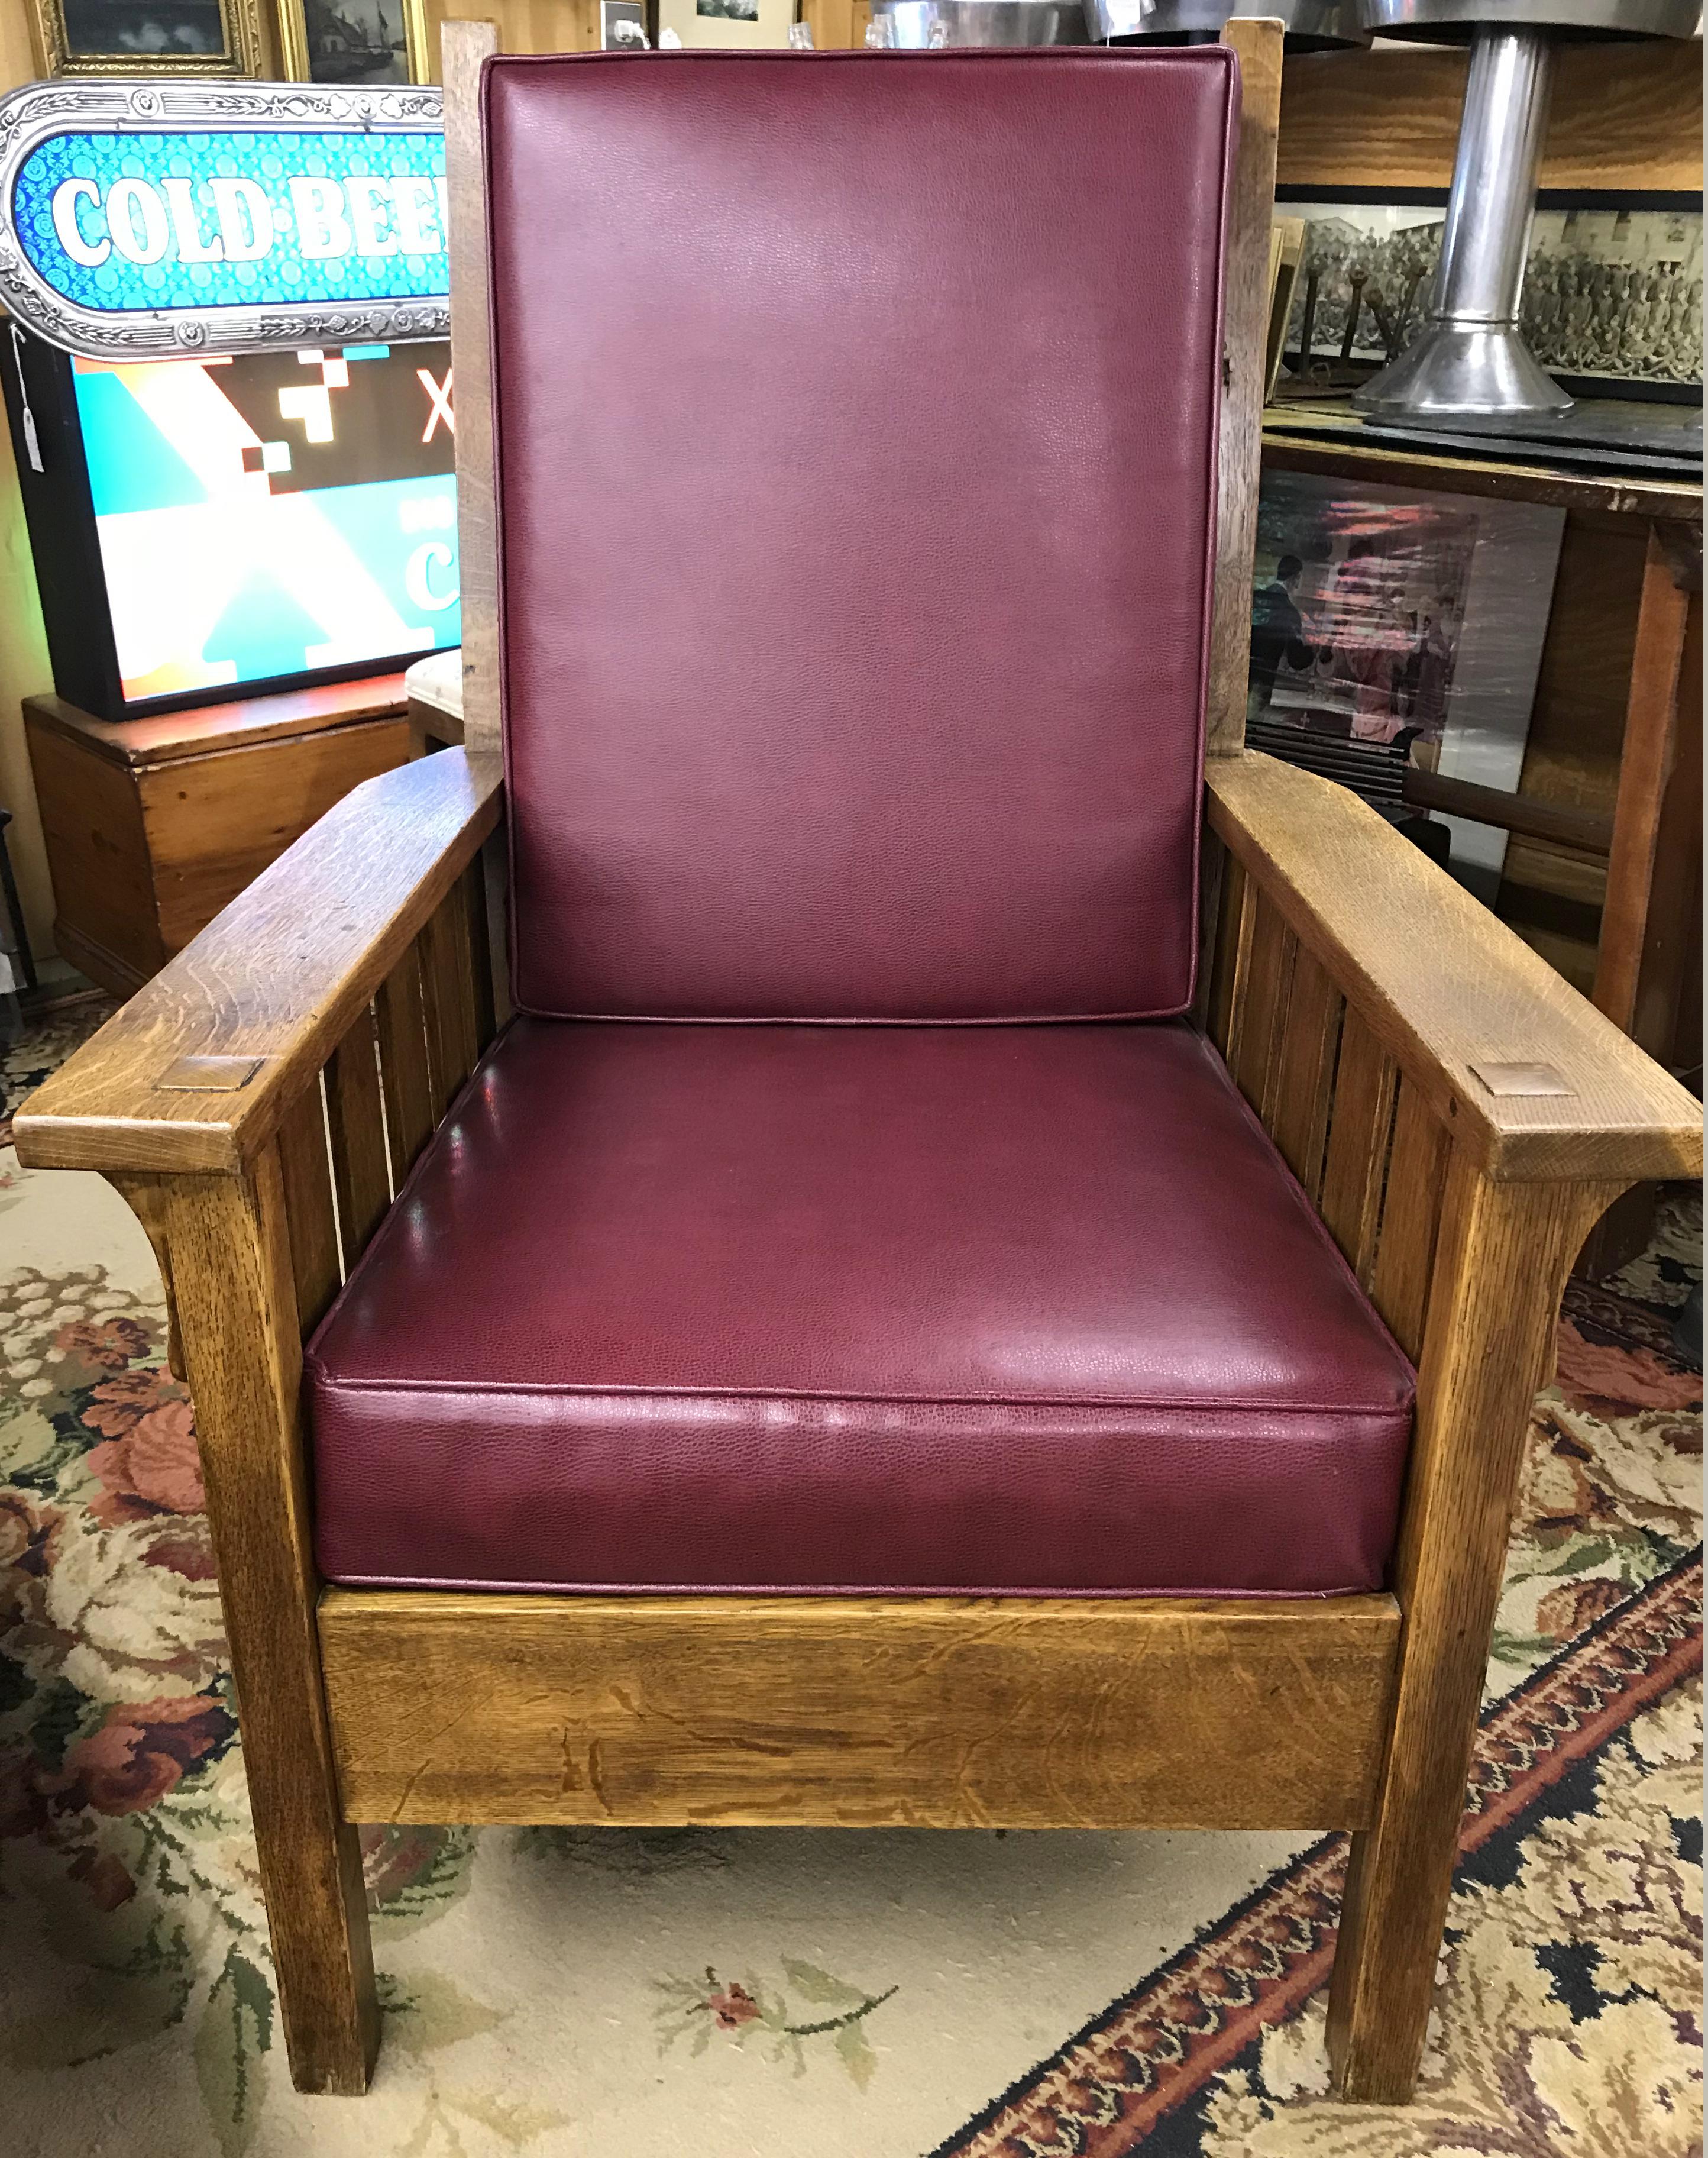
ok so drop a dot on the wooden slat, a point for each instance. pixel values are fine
(447, 991)
(1501, 1259)
(1448, 989)
(279, 978)
(360, 1170)
(403, 1063)
(1244, 339)
(1411, 1214)
(1306, 1070)
(480, 950)
(306, 1170)
(831, 1710)
(1228, 963)
(1269, 986)
(1361, 1123)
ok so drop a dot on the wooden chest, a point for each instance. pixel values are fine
(152, 824)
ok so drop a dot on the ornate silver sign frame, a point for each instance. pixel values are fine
(29, 116)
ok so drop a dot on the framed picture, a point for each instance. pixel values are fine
(1406, 624)
(146, 37)
(755, 24)
(622, 26)
(1611, 296)
(353, 43)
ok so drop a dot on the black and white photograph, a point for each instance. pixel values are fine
(1610, 295)
(622, 26)
(356, 41)
(742, 25)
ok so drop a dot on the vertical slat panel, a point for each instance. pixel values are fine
(403, 1065)
(1274, 949)
(1228, 967)
(447, 988)
(360, 1170)
(480, 950)
(1306, 1072)
(1411, 1216)
(308, 1207)
(1360, 1125)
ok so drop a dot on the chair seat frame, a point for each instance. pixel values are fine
(1457, 1114)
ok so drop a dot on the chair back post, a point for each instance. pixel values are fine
(465, 46)
(1257, 41)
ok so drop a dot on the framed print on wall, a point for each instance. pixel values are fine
(754, 24)
(353, 43)
(146, 37)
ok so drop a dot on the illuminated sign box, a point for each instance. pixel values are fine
(144, 220)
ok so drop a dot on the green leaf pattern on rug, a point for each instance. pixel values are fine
(697, 2009)
(121, 1783)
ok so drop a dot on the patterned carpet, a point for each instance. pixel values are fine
(725, 1993)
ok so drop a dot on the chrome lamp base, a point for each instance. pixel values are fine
(1471, 378)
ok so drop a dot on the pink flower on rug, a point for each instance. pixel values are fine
(733, 2006)
(116, 1404)
(108, 1344)
(1635, 1376)
(141, 1752)
(153, 1469)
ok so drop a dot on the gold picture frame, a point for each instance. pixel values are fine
(146, 37)
(325, 52)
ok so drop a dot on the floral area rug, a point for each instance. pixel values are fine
(747, 1994)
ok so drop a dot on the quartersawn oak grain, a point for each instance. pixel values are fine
(858, 1711)
(1501, 1258)
(232, 1267)
(1444, 985)
(280, 974)
(465, 46)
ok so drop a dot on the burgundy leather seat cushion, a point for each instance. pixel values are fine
(855, 428)
(1011, 1308)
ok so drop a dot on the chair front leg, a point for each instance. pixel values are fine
(1501, 1259)
(229, 1250)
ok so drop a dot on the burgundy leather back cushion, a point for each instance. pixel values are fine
(855, 423)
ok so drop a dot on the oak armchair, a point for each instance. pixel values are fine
(837, 1396)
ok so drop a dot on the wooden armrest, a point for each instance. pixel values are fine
(196, 1072)
(1459, 1001)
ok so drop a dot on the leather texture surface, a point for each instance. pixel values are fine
(1011, 1308)
(855, 429)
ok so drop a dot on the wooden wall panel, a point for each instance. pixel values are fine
(1625, 116)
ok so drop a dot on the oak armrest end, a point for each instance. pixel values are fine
(1512, 1058)
(195, 1072)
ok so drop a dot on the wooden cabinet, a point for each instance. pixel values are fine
(152, 824)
